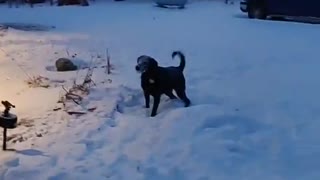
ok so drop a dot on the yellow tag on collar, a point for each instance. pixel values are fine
(151, 81)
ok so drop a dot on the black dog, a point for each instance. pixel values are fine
(157, 80)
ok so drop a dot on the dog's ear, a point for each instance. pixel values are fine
(153, 63)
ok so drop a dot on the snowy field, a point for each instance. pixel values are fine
(254, 87)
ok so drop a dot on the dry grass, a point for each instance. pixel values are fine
(38, 81)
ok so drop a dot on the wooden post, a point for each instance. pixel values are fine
(4, 145)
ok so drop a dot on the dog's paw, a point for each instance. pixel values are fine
(147, 107)
(187, 103)
(153, 114)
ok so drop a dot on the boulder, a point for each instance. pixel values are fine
(65, 64)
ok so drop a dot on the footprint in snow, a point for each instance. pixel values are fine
(31, 152)
(231, 126)
(13, 163)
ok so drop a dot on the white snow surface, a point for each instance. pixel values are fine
(254, 87)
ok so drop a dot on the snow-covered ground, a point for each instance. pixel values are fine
(253, 85)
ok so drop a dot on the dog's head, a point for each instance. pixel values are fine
(146, 63)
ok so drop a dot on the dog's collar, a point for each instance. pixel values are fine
(151, 81)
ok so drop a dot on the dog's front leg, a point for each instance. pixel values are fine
(156, 102)
(147, 99)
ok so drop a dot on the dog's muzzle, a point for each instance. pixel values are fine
(140, 69)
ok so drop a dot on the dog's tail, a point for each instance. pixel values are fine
(182, 59)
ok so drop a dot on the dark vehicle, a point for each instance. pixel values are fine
(261, 9)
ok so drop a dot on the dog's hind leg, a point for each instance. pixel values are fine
(170, 95)
(182, 95)
(156, 102)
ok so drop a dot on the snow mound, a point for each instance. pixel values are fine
(255, 108)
